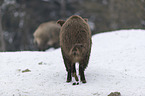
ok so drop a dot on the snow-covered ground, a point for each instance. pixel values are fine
(117, 64)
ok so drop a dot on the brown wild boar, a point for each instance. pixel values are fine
(47, 35)
(75, 43)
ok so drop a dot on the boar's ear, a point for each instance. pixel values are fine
(86, 19)
(60, 22)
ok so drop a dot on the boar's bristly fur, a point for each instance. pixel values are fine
(75, 43)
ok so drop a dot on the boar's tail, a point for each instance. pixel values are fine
(75, 51)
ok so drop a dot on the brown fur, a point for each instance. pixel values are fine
(75, 42)
(47, 35)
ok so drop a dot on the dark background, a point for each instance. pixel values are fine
(20, 18)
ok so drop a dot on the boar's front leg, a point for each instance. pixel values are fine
(74, 72)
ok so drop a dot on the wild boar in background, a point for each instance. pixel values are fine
(47, 35)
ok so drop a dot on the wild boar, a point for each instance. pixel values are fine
(47, 35)
(75, 43)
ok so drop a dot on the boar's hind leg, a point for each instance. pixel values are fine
(69, 78)
(81, 72)
(82, 66)
(68, 67)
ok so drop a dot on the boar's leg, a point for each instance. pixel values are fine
(81, 72)
(68, 69)
(82, 66)
(69, 78)
(67, 63)
(74, 72)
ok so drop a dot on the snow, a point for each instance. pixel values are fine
(117, 64)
